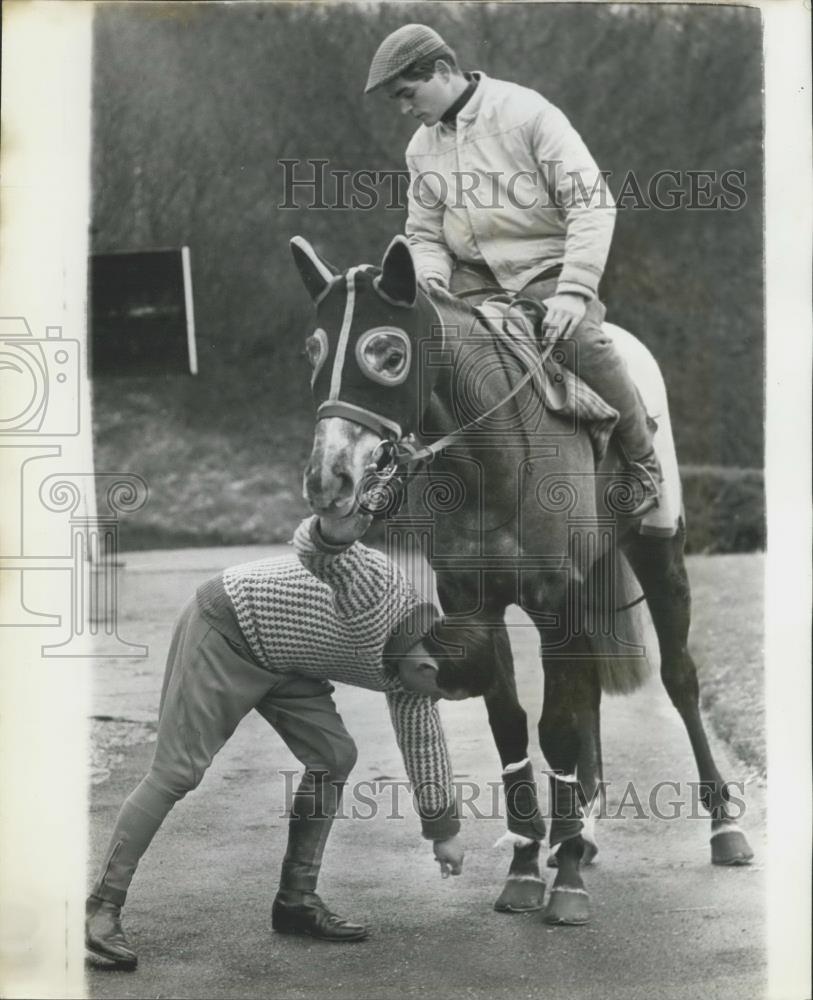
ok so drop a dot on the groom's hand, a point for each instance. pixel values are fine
(449, 853)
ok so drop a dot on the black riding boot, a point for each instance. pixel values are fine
(297, 908)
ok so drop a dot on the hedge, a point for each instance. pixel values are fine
(725, 508)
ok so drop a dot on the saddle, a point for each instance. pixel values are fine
(518, 331)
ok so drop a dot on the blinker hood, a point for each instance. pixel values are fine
(343, 386)
(349, 307)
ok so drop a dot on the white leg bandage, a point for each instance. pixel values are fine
(515, 840)
(518, 766)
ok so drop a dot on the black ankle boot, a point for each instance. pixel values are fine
(105, 940)
(305, 913)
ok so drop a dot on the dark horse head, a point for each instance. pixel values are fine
(367, 381)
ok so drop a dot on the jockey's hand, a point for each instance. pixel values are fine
(450, 855)
(341, 530)
(565, 311)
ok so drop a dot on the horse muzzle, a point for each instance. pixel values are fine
(342, 452)
(333, 495)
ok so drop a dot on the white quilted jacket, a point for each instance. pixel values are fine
(513, 186)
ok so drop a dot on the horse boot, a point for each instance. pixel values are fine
(524, 889)
(297, 909)
(568, 902)
(105, 940)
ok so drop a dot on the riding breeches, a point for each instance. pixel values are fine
(590, 353)
(208, 688)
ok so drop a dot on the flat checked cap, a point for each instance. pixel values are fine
(399, 50)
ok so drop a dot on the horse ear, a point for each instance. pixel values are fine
(315, 272)
(398, 281)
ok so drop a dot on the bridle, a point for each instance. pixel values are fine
(396, 456)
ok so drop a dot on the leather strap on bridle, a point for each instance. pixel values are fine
(386, 429)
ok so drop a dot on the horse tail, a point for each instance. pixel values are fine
(619, 640)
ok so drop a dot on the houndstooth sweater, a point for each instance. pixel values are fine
(342, 613)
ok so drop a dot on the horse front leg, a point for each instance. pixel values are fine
(658, 563)
(524, 888)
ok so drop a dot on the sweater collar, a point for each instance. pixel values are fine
(469, 112)
(449, 117)
(472, 106)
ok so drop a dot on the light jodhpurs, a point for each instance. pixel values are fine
(208, 688)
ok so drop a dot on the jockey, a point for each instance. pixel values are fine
(504, 192)
(270, 635)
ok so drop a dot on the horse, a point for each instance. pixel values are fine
(522, 515)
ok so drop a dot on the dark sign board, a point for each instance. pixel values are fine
(141, 315)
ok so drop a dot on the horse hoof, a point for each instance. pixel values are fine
(730, 847)
(521, 895)
(567, 907)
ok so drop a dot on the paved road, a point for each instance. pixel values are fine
(666, 923)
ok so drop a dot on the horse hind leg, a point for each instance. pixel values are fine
(658, 563)
(590, 774)
(570, 706)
